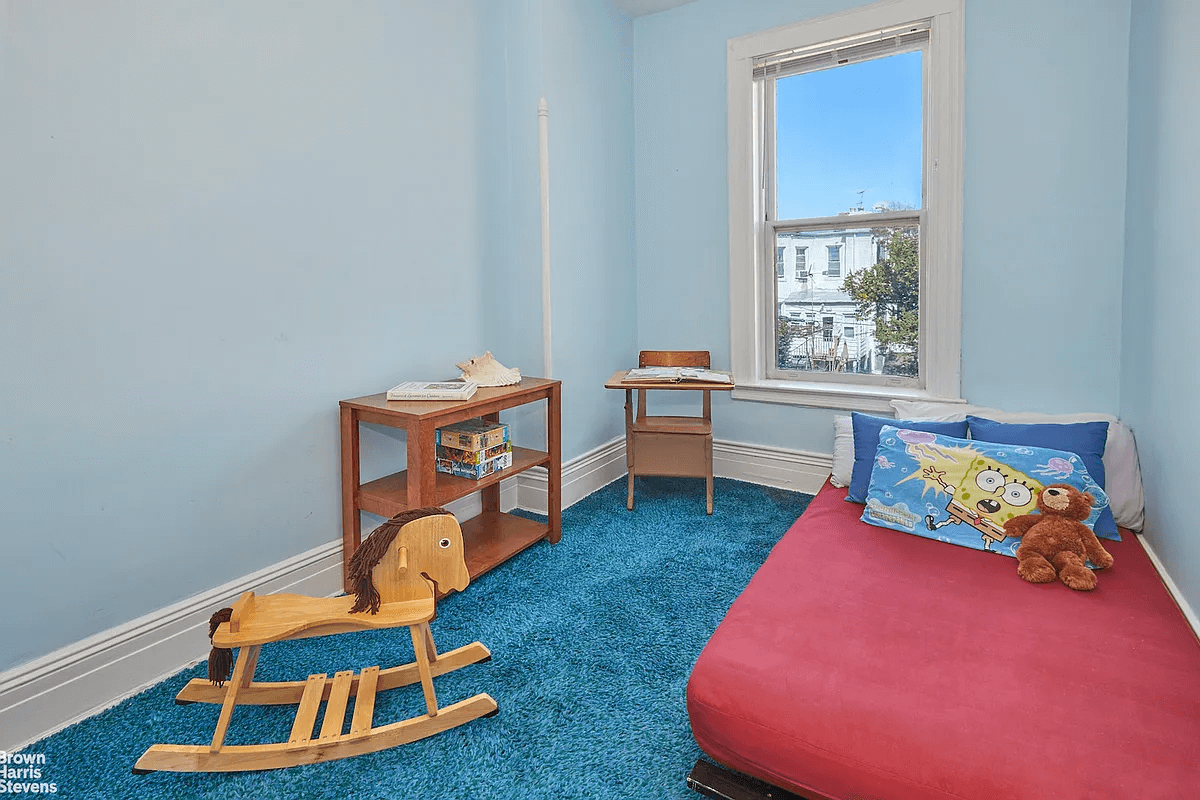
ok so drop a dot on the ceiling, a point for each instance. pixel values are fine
(638, 8)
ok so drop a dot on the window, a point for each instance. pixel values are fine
(834, 269)
(891, 74)
(779, 262)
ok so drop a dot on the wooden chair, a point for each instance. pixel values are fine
(423, 557)
(674, 446)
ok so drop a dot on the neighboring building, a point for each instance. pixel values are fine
(826, 333)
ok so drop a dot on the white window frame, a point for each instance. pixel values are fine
(831, 249)
(751, 297)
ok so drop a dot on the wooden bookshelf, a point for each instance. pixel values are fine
(490, 538)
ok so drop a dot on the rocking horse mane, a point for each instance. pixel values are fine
(373, 548)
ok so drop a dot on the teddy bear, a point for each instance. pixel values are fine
(1055, 543)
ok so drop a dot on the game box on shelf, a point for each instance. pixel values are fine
(472, 434)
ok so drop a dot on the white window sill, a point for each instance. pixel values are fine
(868, 399)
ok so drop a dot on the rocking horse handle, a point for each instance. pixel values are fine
(239, 611)
(402, 558)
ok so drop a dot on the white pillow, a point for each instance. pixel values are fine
(843, 451)
(1122, 475)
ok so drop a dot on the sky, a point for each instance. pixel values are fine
(846, 129)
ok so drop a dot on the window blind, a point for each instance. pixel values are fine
(885, 42)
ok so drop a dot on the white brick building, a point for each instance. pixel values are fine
(810, 267)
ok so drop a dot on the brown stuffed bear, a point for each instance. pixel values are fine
(1056, 542)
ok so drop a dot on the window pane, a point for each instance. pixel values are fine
(861, 319)
(849, 138)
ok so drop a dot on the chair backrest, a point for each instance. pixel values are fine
(674, 358)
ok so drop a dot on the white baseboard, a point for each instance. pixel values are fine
(59, 689)
(581, 476)
(1188, 613)
(796, 470)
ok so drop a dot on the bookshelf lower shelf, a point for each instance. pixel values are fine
(388, 496)
(493, 537)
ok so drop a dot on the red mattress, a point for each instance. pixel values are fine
(866, 663)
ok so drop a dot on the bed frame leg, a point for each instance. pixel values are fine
(720, 783)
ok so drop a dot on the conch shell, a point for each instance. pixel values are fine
(485, 370)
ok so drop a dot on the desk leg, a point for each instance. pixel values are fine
(554, 468)
(351, 520)
(708, 448)
(629, 445)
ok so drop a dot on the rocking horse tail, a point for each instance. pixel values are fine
(220, 659)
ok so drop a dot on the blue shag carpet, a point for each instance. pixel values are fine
(592, 639)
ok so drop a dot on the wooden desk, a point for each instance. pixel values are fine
(490, 538)
(672, 446)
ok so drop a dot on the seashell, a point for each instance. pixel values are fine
(485, 370)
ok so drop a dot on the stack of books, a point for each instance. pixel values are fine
(473, 448)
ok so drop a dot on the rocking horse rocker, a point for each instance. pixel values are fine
(396, 575)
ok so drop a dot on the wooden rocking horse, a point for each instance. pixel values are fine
(396, 575)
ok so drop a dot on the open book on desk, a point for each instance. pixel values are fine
(677, 375)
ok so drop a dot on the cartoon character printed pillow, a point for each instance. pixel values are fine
(962, 491)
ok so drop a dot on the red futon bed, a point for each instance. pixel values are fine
(863, 663)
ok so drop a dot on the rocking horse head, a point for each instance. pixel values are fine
(412, 556)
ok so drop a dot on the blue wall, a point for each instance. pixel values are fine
(1162, 278)
(577, 54)
(224, 218)
(219, 224)
(588, 75)
(1044, 198)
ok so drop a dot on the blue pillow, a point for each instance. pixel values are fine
(866, 442)
(1086, 439)
(962, 491)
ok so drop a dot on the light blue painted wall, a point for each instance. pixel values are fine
(1162, 278)
(216, 220)
(588, 74)
(225, 218)
(1043, 253)
(578, 55)
(511, 270)
(1044, 198)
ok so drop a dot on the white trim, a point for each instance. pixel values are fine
(851, 397)
(581, 476)
(1180, 600)
(796, 470)
(831, 27)
(941, 235)
(82, 679)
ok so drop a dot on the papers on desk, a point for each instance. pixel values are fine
(677, 375)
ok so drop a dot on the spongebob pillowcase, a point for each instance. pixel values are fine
(962, 490)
